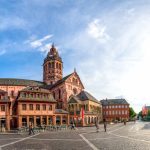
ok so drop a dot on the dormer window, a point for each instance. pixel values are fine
(2, 107)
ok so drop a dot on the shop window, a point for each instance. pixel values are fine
(24, 121)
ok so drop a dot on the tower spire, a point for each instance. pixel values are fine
(52, 67)
(53, 45)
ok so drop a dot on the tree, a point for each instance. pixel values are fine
(132, 113)
(148, 113)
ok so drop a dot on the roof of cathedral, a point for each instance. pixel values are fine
(60, 81)
(113, 102)
(35, 89)
(83, 96)
(57, 83)
(20, 82)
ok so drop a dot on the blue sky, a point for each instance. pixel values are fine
(107, 41)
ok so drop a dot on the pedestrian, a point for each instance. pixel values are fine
(97, 126)
(73, 126)
(105, 125)
(31, 129)
(124, 121)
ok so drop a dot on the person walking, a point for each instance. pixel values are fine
(72, 126)
(105, 125)
(97, 126)
(31, 129)
(124, 121)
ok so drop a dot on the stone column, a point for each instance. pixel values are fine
(41, 120)
(61, 119)
(47, 123)
(19, 121)
(27, 121)
(7, 117)
(68, 120)
(34, 117)
(54, 120)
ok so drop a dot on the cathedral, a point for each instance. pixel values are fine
(57, 100)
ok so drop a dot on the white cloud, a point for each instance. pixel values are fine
(98, 31)
(40, 42)
(45, 48)
(41, 45)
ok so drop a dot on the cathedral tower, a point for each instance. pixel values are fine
(52, 67)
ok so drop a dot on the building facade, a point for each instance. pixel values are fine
(84, 109)
(40, 102)
(4, 111)
(115, 109)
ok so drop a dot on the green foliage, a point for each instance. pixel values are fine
(132, 113)
(148, 113)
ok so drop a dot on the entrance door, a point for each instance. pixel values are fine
(38, 121)
(2, 124)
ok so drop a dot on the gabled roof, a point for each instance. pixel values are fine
(74, 99)
(61, 81)
(113, 102)
(20, 82)
(83, 96)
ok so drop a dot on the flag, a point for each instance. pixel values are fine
(82, 113)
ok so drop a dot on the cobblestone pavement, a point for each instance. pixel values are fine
(133, 136)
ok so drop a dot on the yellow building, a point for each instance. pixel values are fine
(84, 109)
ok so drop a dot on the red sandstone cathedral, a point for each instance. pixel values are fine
(56, 100)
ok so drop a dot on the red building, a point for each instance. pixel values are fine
(115, 109)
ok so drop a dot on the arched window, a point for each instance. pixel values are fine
(60, 66)
(57, 65)
(49, 65)
(59, 93)
(52, 64)
(74, 91)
